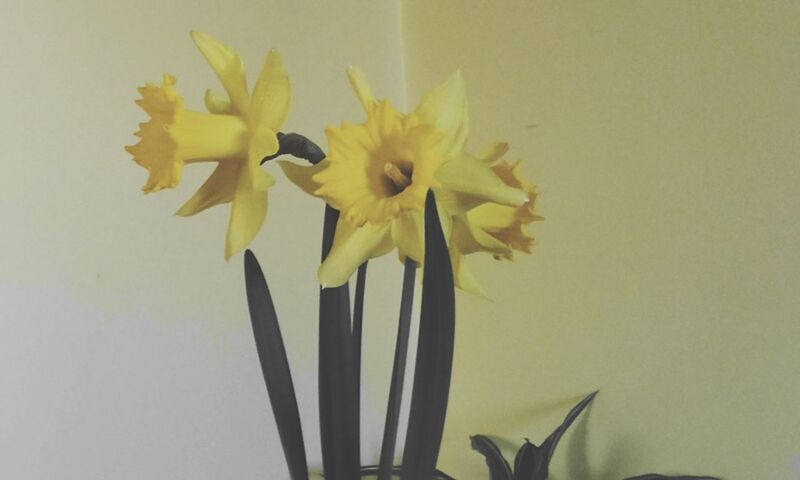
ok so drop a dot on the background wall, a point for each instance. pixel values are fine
(125, 346)
(663, 137)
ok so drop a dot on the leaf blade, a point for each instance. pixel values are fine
(357, 334)
(434, 354)
(337, 388)
(398, 372)
(530, 463)
(551, 442)
(275, 367)
(499, 469)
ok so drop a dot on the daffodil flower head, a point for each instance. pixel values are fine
(504, 223)
(381, 168)
(377, 175)
(237, 133)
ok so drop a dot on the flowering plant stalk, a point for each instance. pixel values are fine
(401, 181)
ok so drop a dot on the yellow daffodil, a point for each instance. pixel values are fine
(504, 223)
(378, 173)
(492, 227)
(237, 133)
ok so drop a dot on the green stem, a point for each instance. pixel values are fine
(358, 327)
(398, 373)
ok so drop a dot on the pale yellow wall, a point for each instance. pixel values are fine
(664, 139)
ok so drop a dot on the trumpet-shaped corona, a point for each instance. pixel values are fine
(175, 136)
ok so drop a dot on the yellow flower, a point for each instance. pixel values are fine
(237, 133)
(378, 173)
(492, 227)
(506, 224)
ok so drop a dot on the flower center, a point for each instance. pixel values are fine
(399, 177)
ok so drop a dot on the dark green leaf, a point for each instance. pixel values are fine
(434, 354)
(357, 332)
(275, 366)
(533, 462)
(550, 444)
(398, 372)
(499, 469)
(338, 414)
(530, 463)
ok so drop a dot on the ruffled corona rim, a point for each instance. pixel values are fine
(174, 136)
(380, 168)
(156, 149)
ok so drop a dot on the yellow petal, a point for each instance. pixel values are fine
(228, 66)
(272, 94)
(219, 188)
(248, 211)
(492, 216)
(463, 277)
(263, 143)
(469, 239)
(408, 232)
(454, 202)
(262, 180)
(445, 107)
(445, 217)
(302, 176)
(493, 152)
(352, 246)
(474, 180)
(408, 235)
(360, 85)
(216, 103)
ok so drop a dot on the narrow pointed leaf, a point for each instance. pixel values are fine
(338, 415)
(398, 372)
(550, 444)
(275, 367)
(434, 354)
(499, 469)
(357, 333)
(530, 463)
